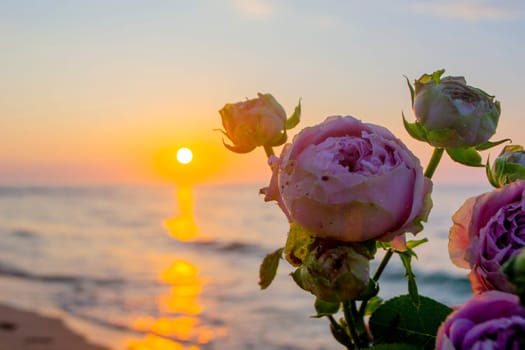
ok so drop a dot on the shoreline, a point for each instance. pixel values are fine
(25, 330)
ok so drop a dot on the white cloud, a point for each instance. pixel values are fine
(474, 10)
(254, 8)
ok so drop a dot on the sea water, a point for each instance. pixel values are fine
(177, 268)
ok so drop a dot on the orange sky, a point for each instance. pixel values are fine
(102, 93)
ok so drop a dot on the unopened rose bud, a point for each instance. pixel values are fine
(334, 272)
(452, 113)
(508, 167)
(257, 122)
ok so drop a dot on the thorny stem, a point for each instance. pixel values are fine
(434, 161)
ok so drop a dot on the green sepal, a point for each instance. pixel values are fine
(435, 76)
(416, 242)
(325, 308)
(294, 118)
(442, 137)
(278, 139)
(490, 175)
(297, 244)
(383, 245)
(370, 291)
(238, 149)
(398, 320)
(416, 130)
(489, 144)
(268, 268)
(411, 88)
(466, 156)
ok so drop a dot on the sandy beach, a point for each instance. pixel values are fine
(22, 330)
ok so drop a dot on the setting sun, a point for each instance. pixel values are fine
(184, 155)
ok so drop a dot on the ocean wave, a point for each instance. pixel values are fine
(15, 272)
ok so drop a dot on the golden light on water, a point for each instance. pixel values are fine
(183, 226)
(184, 155)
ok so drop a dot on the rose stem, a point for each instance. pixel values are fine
(269, 151)
(434, 161)
(351, 323)
(347, 342)
(377, 274)
(362, 333)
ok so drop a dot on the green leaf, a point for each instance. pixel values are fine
(488, 145)
(466, 156)
(325, 308)
(416, 130)
(268, 268)
(297, 244)
(294, 118)
(400, 321)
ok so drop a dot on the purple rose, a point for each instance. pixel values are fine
(488, 230)
(492, 320)
(350, 181)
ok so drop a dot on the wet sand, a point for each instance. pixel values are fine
(22, 330)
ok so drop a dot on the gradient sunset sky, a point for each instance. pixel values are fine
(104, 91)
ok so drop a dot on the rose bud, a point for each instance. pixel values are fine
(350, 181)
(492, 320)
(334, 272)
(508, 167)
(452, 113)
(257, 122)
(488, 231)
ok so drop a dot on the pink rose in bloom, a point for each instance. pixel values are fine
(350, 181)
(492, 320)
(488, 230)
(257, 122)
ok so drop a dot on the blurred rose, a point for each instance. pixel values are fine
(508, 167)
(488, 230)
(334, 272)
(492, 320)
(453, 113)
(350, 181)
(257, 122)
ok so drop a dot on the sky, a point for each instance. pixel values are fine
(106, 91)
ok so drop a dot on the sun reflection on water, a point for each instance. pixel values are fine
(179, 325)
